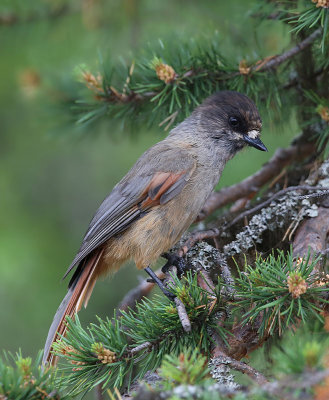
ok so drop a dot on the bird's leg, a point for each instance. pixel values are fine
(158, 281)
(176, 261)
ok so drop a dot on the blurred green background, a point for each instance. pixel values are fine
(52, 178)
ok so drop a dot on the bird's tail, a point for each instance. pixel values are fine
(80, 289)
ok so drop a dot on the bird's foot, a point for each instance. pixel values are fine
(176, 261)
(158, 281)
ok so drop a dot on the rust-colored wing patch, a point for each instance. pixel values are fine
(161, 183)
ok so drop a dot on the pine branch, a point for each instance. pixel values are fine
(291, 292)
(240, 366)
(184, 377)
(22, 379)
(171, 90)
(280, 193)
(275, 61)
(138, 341)
(110, 351)
(171, 274)
(166, 87)
(312, 236)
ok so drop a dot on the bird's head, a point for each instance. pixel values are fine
(231, 120)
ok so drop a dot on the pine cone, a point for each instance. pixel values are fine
(296, 285)
(243, 67)
(94, 83)
(67, 350)
(104, 355)
(321, 3)
(165, 72)
(324, 111)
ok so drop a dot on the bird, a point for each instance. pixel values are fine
(159, 198)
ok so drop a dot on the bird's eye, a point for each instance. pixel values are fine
(234, 122)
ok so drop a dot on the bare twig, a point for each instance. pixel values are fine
(321, 194)
(142, 346)
(170, 120)
(181, 310)
(276, 61)
(197, 237)
(253, 183)
(183, 317)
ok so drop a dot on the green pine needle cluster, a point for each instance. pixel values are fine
(301, 350)
(188, 368)
(163, 85)
(20, 379)
(279, 291)
(109, 353)
(166, 84)
(187, 375)
(311, 17)
(282, 291)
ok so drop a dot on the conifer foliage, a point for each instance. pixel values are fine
(257, 283)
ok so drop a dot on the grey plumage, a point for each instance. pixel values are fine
(162, 194)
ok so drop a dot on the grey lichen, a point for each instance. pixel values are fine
(324, 169)
(277, 215)
(202, 256)
(220, 371)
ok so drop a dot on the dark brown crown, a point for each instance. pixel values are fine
(219, 107)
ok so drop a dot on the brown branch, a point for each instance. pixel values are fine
(276, 61)
(244, 339)
(241, 367)
(253, 183)
(312, 236)
(226, 275)
(195, 237)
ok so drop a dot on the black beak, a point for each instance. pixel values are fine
(257, 143)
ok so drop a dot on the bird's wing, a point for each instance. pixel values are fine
(145, 186)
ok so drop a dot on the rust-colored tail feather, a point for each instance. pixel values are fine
(79, 292)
